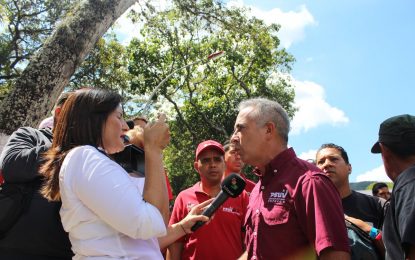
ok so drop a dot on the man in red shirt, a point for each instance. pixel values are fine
(294, 211)
(234, 164)
(222, 237)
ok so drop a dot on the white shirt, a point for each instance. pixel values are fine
(103, 209)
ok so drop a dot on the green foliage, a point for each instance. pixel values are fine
(199, 96)
(105, 67)
(204, 94)
(25, 25)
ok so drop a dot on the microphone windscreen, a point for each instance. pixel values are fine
(233, 185)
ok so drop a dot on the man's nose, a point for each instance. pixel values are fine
(326, 164)
(235, 139)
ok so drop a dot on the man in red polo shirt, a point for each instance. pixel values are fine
(234, 164)
(294, 211)
(222, 237)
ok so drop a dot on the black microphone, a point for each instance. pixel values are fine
(232, 186)
(130, 124)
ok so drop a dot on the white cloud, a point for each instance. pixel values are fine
(377, 174)
(311, 154)
(293, 23)
(313, 109)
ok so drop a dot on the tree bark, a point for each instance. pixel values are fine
(49, 71)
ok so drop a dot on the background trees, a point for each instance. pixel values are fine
(26, 25)
(50, 69)
(200, 99)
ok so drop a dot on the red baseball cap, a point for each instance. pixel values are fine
(209, 144)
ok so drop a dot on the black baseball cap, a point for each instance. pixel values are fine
(396, 131)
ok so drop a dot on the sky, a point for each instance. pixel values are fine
(353, 69)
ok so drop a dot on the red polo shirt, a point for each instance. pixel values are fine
(222, 238)
(293, 211)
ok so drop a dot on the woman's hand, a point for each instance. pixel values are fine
(194, 216)
(157, 134)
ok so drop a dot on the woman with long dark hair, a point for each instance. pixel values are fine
(102, 209)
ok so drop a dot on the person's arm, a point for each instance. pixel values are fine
(21, 156)
(183, 227)
(156, 138)
(329, 254)
(366, 227)
(319, 196)
(174, 251)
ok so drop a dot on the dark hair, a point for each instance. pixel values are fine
(80, 123)
(338, 148)
(377, 186)
(59, 103)
(62, 98)
(227, 146)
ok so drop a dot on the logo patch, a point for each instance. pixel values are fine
(231, 210)
(278, 197)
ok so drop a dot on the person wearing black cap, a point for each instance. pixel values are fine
(396, 143)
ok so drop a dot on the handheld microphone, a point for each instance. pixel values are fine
(232, 186)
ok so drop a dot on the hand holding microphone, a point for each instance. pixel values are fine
(232, 186)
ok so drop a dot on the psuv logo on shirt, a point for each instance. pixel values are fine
(231, 210)
(278, 197)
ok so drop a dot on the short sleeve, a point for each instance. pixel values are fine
(320, 212)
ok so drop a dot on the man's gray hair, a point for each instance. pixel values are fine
(266, 110)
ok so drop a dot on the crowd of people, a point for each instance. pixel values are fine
(82, 204)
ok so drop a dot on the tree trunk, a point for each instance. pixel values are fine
(50, 69)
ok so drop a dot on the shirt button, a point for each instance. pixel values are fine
(254, 233)
(254, 257)
(275, 171)
(257, 211)
(262, 187)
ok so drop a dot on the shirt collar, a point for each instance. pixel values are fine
(277, 163)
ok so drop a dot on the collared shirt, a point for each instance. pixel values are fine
(103, 209)
(222, 237)
(294, 211)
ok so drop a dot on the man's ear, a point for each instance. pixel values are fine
(196, 166)
(350, 168)
(270, 128)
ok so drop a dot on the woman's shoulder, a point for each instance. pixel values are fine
(85, 153)
(84, 149)
(87, 158)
